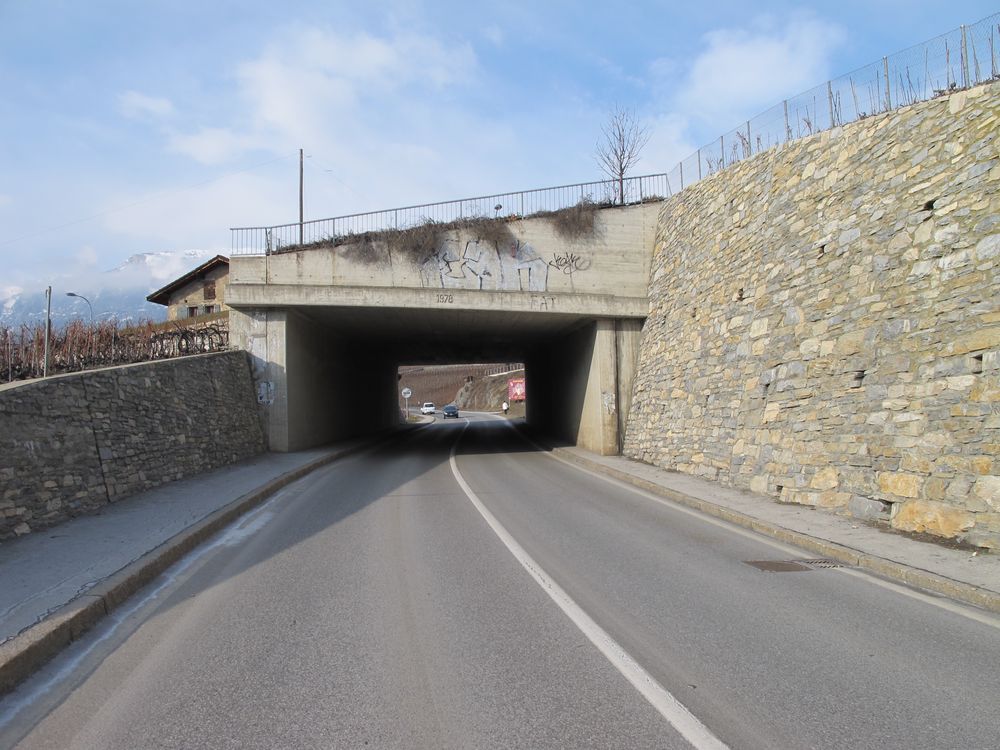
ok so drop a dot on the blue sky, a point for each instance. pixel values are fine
(133, 127)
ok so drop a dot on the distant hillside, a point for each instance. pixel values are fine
(440, 383)
(487, 393)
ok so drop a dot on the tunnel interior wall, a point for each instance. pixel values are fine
(73, 443)
(824, 324)
(557, 381)
(576, 384)
(337, 388)
(319, 385)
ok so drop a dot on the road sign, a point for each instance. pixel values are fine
(407, 393)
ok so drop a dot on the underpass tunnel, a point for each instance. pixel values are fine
(330, 373)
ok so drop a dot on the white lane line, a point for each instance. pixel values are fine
(671, 709)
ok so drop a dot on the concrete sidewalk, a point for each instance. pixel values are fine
(963, 575)
(56, 583)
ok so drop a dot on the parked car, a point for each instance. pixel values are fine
(427, 408)
(450, 411)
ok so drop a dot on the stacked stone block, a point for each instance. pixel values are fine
(73, 443)
(825, 323)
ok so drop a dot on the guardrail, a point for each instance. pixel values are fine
(964, 57)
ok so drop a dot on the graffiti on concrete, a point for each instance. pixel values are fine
(478, 264)
(608, 399)
(569, 263)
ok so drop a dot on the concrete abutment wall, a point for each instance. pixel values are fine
(825, 322)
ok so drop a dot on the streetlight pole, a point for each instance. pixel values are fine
(48, 330)
(93, 325)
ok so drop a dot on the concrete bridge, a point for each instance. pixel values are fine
(327, 325)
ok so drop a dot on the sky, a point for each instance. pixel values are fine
(139, 127)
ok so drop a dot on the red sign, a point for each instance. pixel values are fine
(515, 389)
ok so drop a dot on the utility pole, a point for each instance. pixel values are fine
(300, 197)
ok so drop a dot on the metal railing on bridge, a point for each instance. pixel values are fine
(266, 240)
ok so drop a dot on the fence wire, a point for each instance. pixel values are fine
(964, 57)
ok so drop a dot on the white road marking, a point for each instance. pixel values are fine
(679, 717)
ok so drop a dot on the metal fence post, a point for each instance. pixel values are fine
(885, 69)
(722, 152)
(829, 93)
(681, 165)
(699, 164)
(788, 130)
(965, 59)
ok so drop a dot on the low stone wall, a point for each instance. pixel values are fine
(73, 443)
(825, 323)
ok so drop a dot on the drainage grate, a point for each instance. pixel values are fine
(822, 563)
(792, 566)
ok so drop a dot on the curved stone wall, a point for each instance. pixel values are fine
(71, 444)
(825, 322)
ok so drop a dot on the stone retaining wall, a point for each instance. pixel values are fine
(73, 443)
(825, 323)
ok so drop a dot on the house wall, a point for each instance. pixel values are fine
(193, 294)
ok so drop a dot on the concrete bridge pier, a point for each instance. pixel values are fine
(580, 385)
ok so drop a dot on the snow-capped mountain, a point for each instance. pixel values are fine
(119, 293)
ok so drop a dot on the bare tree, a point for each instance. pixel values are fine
(624, 139)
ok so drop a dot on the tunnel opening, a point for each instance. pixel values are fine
(469, 387)
(336, 371)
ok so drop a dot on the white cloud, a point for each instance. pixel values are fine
(384, 118)
(494, 34)
(668, 144)
(739, 73)
(87, 256)
(213, 145)
(138, 106)
(200, 216)
(322, 90)
(743, 71)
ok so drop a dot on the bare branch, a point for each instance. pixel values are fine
(624, 139)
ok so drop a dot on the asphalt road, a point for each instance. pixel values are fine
(423, 595)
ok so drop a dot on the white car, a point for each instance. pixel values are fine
(427, 408)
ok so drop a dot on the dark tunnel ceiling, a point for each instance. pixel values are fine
(421, 336)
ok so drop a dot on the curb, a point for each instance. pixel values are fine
(33, 647)
(896, 571)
